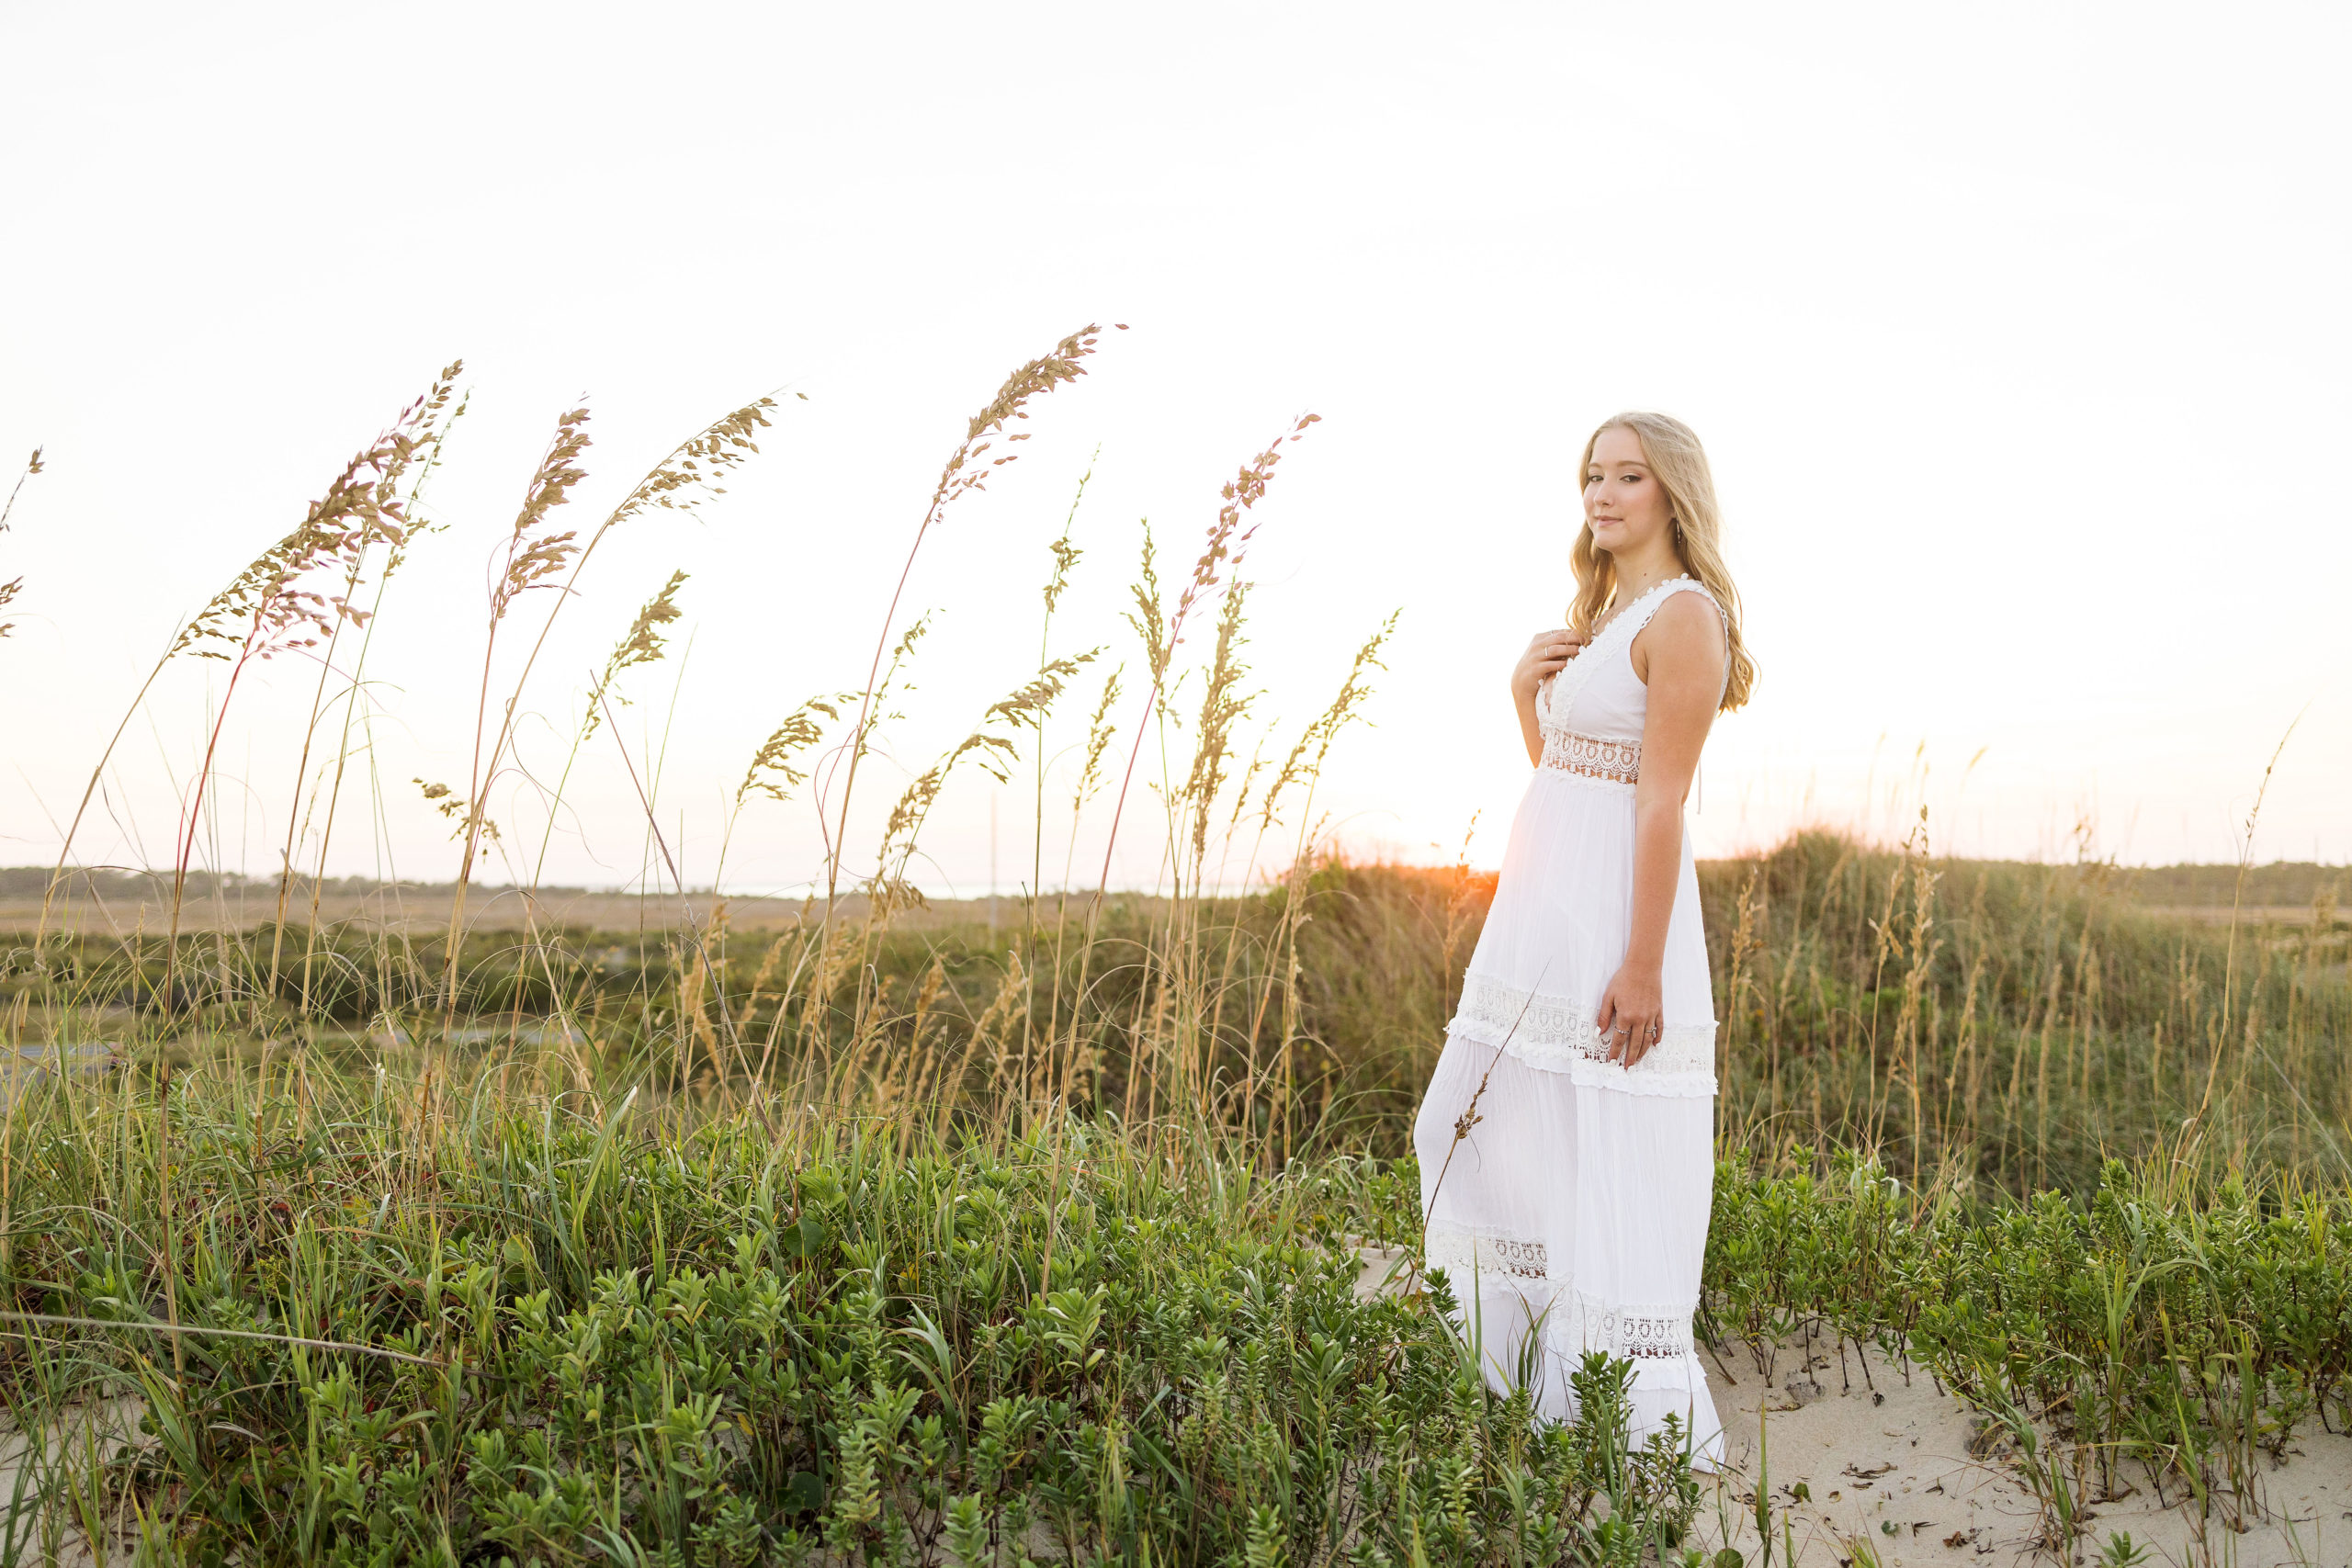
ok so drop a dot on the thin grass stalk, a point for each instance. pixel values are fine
(533, 560)
(1032, 380)
(1304, 767)
(431, 433)
(2237, 904)
(1226, 543)
(1066, 558)
(276, 613)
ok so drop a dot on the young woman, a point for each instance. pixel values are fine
(1566, 1142)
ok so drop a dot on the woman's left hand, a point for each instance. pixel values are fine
(1631, 1012)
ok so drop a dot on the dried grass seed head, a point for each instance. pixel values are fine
(993, 753)
(452, 807)
(265, 609)
(1032, 380)
(532, 554)
(689, 474)
(1223, 705)
(1100, 731)
(1067, 554)
(1306, 759)
(643, 645)
(1028, 705)
(775, 771)
(33, 467)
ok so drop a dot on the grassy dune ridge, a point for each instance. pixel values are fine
(2015, 1024)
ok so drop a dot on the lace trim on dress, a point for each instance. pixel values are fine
(1639, 1333)
(1464, 1252)
(1576, 1321)
(1593, 756)
(1553, 1034)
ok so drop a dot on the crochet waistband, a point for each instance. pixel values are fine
(1593, 756)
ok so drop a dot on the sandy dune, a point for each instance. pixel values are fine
(1869, 1466)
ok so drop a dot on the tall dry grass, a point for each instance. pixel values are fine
(2019, 1022)
(2009, 1023)
(1179, 1012)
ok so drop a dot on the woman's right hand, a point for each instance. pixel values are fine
(1547, 654)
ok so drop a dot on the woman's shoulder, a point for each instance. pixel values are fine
(1687, 624)
(1689, 611)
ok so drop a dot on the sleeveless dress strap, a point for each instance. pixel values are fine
(1637, 616)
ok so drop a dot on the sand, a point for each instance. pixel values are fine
(1869, 1465)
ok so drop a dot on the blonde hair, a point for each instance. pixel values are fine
(1672, 451)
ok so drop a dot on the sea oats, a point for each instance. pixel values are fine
(643, 643)
(536, 556)
(1029, 703)
(988, 748)
(958, 477)
(534, 553)
(1066, 554)
(1223, 707)
(452, 807)
(1100, 730)
(9, 589)
(266, 610)
(773, 770)
(32, 467)
(1221, 553)
(964, 473)
(416, 440)
(1314, 745)
(7, 510)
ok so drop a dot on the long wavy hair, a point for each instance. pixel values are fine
(1672, 451)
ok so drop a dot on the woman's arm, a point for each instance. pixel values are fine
(1681, 656)
(1547, 654)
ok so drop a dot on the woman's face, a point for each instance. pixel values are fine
(1623, 503)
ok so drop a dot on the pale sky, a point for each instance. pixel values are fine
(2017, 333)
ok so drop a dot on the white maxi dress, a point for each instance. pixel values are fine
(1574, 1215)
